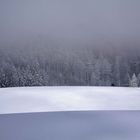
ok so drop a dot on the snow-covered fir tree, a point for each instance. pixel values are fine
(134, 81)
(139, 79)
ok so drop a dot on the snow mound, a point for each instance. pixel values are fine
(49, 99)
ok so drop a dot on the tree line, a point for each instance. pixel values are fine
(67, 67)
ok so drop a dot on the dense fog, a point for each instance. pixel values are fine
(69, 42)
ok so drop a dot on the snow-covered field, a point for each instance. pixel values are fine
(49, 99)
(76, 124)
(92, 125)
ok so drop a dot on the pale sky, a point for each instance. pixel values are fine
(85, 21)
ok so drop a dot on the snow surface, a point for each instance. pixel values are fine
(49, 99)
(89, 125)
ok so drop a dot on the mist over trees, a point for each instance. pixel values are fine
(64, 66)
(60, 43)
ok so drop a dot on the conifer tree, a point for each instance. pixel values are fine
(134, 81)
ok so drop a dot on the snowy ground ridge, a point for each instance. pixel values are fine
(54, 99)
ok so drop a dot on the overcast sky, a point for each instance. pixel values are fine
(70, 20)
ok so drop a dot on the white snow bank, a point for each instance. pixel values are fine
(46, 99)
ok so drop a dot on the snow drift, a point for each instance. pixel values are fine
(46, 99)
(92, 125)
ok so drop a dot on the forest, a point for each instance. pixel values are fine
(70, 43)
(68, 66)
